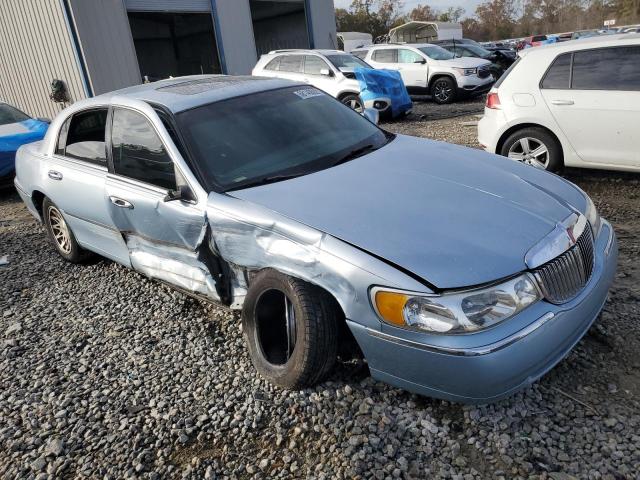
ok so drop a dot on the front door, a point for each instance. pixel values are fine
(597, 105)
(413, 68)
(163, 235)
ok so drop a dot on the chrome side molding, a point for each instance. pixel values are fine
(559, 240)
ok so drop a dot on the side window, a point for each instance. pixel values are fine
(273, 64)
(408, 56)
(291, 63)
(615, 68)
(361, 54)
(386, 55)
(83, 136)
(558, 75)
(138, 152)
(313, 65)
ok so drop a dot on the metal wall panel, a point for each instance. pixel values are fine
(321, 19)
(106, 44)
(234, 31)
(35, 48)
(168, 5)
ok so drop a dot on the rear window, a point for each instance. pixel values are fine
(559, 74)
(616, 68)
(539, 38)
(8, 114)
(387, 55)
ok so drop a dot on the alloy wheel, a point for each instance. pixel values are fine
(531, 151)
(354, 104)
(59, 229)
(442, 91)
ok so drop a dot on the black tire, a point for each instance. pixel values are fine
(443, 90)
(53, 223)
(552, 161)
(353, 101)
(315, 331)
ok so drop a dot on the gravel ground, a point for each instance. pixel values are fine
(105, 374)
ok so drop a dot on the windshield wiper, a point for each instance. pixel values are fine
(358, 152)
(266, 180)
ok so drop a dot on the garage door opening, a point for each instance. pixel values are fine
(279, 25)
(174, 44)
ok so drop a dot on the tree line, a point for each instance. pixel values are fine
(493, 19)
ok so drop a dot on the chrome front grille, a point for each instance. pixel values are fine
(562, 278)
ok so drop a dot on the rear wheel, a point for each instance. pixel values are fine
(443, 90)
(354, 102)
(291, 330)
(534, 146)
(60, 234)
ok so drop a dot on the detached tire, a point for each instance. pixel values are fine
(61, 235)
(534, 146)
(290, 327)
(443, 90)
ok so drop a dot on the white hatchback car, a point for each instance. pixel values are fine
(329, 70)
(428, 68)
(574, 103)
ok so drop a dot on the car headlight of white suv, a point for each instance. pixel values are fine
(457, 312)
(466, 71)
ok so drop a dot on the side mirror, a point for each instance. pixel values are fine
(183, 193)
(422, 62)
(372, 115)
(326, 72)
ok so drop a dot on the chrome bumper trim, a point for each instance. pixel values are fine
(467, 352)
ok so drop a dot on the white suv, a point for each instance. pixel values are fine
(329, 70)
(427, 68)
(574, 103)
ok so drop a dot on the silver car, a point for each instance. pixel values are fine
(455, 273)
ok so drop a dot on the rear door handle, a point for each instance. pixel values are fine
(120, 202)
(562, 102)
(53, 175)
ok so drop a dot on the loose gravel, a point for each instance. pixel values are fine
(106, 374)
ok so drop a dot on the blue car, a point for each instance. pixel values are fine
(458, 274)
(16, 129)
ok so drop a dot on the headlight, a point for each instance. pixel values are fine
(466, 71)
(592, 216)
(454, 313)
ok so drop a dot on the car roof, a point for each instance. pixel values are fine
(308, 51)
(601, 41)
(395, 45)
(182, 93)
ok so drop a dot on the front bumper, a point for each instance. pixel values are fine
(488, 366)
(472, 84)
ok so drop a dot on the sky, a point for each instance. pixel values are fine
(468, 5)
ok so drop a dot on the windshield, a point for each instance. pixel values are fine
(478, 51)
(8, 114)
(437, 53)
(348, 62)
(273, 135)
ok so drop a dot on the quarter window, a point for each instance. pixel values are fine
(615, 68)
(408, 56)
(313, 65)
(138, 152)
(558, 75)
(386, 55)
(83, 136)
(291, 63)
(273, 64)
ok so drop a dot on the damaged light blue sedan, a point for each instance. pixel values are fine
(457, 274)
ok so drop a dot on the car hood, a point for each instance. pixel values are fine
(465, 62)
(454, 216)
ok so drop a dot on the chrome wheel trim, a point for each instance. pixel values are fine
(531, 151)
(442, 91)
(354, 104)
(59, 229)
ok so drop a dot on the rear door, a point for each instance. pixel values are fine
(594, 95)
(75, 182)
(291, 67)
(162, 234)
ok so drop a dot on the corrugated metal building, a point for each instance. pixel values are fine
(94, 46)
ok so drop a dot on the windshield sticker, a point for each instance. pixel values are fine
(308, 93)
